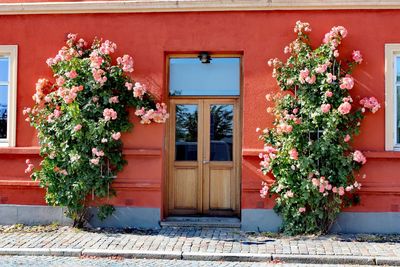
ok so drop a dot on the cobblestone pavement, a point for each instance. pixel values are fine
(209, 240)
(40, 261)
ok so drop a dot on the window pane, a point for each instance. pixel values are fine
(398, 115)
(221, 132)
(188, 76)
(3, 111)
(186, 133)
(4, 69)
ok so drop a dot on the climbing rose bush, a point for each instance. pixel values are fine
(79, 118)
(308, 150)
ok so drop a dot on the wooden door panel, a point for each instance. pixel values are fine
(185, 184)
(220, 188)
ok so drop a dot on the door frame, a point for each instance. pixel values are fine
(167, 140)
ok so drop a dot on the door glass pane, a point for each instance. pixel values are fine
(186, 132)
(3, 110)
(3, 69)
(188, 76)
(398, 69)
(221, 132)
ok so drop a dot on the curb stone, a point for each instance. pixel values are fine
(251, 257)
(204, 256)
(392, 261)
(140, 254)
(325, 259)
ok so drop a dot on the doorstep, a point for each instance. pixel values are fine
(181, 221)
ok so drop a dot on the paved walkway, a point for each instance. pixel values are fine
(203, 244)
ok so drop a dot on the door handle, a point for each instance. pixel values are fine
(206, 161)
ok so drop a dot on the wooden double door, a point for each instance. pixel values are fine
(203, 157)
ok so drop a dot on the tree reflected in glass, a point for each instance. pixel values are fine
(221, 132)
(186, 133)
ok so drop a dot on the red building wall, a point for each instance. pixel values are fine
(148, 37)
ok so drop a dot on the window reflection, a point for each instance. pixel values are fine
(3, 110)
(190, 77)
(186, 133)
(4, 69)
(221, 132)
(398, 114)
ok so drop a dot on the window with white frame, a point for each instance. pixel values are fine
(8, 94)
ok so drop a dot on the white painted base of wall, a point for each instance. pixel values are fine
(348, 222)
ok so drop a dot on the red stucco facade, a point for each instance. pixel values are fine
(149, 37)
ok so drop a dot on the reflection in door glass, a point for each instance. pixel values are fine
(186, 133)
(221, 132)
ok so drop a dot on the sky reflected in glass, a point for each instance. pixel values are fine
(4, 69)
(188, 76)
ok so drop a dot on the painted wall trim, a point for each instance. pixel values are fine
(129, 6)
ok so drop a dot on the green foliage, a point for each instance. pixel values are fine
(308, 150)
(79, 120)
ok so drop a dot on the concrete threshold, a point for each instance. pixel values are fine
(182, 221)
(204, 256)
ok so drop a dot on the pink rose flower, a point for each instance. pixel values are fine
(311, 80)
(303, 75)
(77, 127)
(116, 136)
(264, 190)
(98, 153)
(344, 108)
(325, 108)
(321, 188)
(72, 74)
(95, 161)
(357, 57)
(330, 78)
(336, 53)
(302, 209)
(107, 47)
(370, 103)
(98, 76)
(126, 62)
(328, 94)
(334, 189)
(289, 194)
(315, 182)
(109, 114)
(294, 154)
(347, 82)
(113, 99)
(347, 138)
(321, 68)
(139, 90)
(359, 157)
(128, 86)
(341, 191)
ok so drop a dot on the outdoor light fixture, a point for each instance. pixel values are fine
(205, 57)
